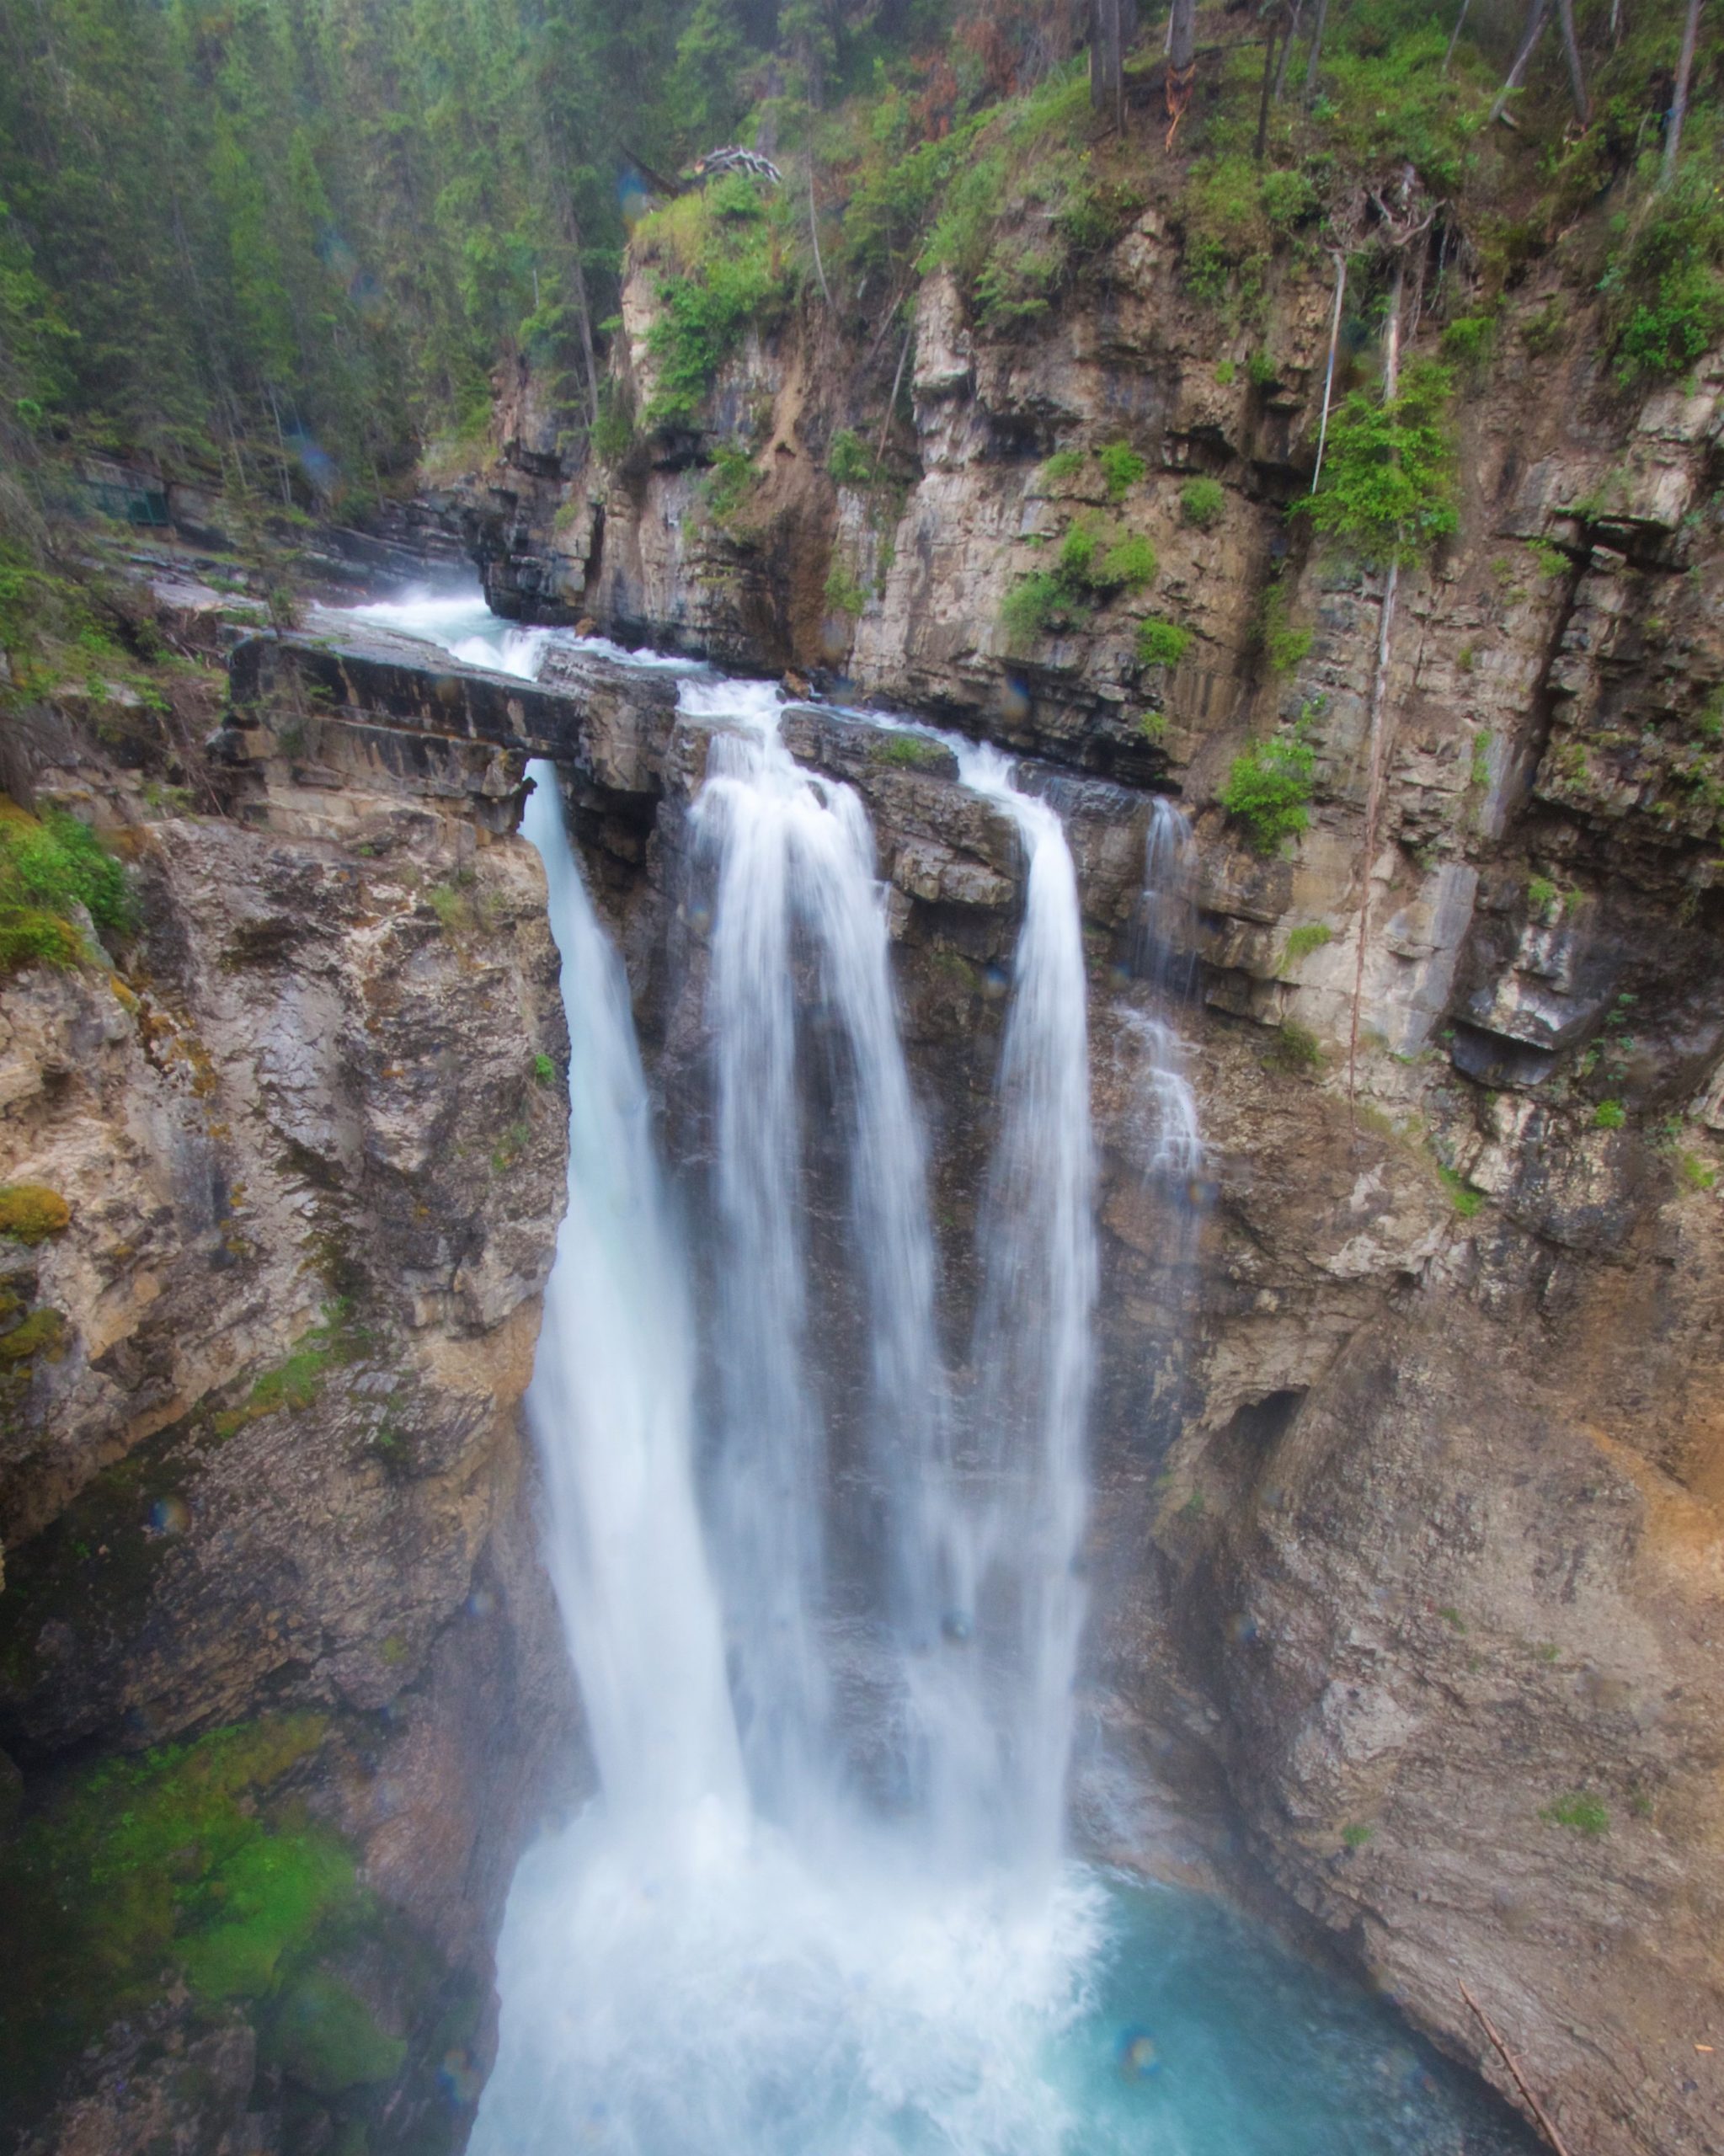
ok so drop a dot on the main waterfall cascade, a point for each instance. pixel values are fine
(737, 1949)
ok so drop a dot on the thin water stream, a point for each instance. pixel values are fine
(737, 1949)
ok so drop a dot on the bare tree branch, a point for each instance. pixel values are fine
(1538, 14)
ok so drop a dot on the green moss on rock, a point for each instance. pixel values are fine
(326, 2038)
(189, 1861)
(29, 1212)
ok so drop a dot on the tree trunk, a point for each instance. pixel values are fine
(583, 313)
(1263, 139)
(1108, 26)
(1287, 48)
(1379, 688)
(1182, 48)
(1577, 73)
(1678, 103)
(1538, 14)
(1329, 371)
(814, 234)
(1317, 51)
(1459, 22)
(1182, 64)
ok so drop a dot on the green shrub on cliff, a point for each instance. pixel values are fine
(850, 460)
(1095, 562)
(726, 277)
(48, 867)
(1234, 213)
(29, 1212)
(1666, 281)
(1388, 481)
(1269, 789)
(1160, 643)
(1201, 501)
(1023, 202)
(1122, 467)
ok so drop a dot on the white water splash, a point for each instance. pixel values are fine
(793, 858)
(610, 1408)
(1011, 1512)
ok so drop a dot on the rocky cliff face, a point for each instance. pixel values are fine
(1413, 1565)
(271, 1575)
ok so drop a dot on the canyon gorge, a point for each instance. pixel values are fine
(1148, 1331)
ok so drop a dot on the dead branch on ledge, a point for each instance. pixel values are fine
(1509, 2060)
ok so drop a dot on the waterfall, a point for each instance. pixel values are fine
(793, 858)
(735, 1949)
(1164, 956)
(1009, 1509)
(738, 1948)
(610, 1405)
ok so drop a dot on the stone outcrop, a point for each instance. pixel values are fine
(265, 1475)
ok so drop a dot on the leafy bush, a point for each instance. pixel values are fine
(1201, 501)
(1234, 213)
(1666, 281)
(48, 867)
(1063, 465)
(1094, 563)
(1386, 101)
(844, 594)
(1160, 643)
(849, 459)
(1269, 789)
(1128, 564)
(729, 482)
(1467, 339)
(1388, 487)
(1033, 605)
(1609, 1115)
(1284, 647)
(1122, 467)
(733, 281)
(1024, 203)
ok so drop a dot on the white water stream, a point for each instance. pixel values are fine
(735, 1950)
